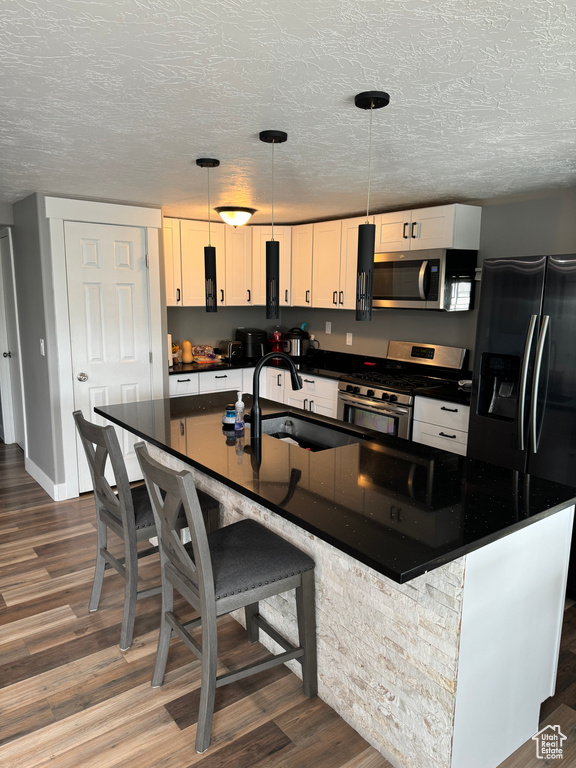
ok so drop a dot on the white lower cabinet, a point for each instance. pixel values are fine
(274, 384)
(441, 424)
(218, 381)
(183, 384)
(318, 395)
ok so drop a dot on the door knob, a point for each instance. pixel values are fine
(82, 377)
(7, 354)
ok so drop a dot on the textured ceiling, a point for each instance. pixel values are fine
(114, 99)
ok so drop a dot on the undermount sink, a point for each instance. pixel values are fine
(311, 435)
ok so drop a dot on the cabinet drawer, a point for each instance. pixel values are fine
(314, 385)
(453, 440)
(183, 384)
(215, 381)
(442, 413)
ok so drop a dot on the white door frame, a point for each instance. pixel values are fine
(59, 210)
(7, 381)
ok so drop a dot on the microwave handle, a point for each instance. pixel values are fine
(421, 276)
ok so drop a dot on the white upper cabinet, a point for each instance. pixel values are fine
(184, 242)
(172, 262)
(193, 239)
(302, 242)
(238, 266)
(326, 264)
(442, 226)
(260, 235)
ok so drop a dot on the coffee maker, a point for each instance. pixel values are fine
(253, 341)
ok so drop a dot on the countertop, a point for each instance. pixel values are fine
(401, 508)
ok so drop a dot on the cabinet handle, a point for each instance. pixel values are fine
(405, 230)
(183, 381)
(341, 297)
(224, 376)
(451, 410)
(279, 377)
(414, 229)
(305, 403)
(443, 434)
(311, 406)
(309, 381)
(334, 297)
(177, 295)
(286, 295)
(181, 427)
(307, 297)
(222, 292)
(248, 292)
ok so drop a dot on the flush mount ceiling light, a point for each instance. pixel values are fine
(235, 215)
(367, 232)
(273, 246)
(209, 250)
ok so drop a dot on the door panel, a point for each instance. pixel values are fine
(511, 296)
(110, 325)
(10, 373)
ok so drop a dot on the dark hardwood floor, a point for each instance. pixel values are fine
(69, 697)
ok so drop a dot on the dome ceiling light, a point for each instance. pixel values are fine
(367, 232)
(235, 215)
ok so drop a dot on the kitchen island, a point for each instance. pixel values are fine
(440, 580)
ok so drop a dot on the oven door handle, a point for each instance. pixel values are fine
(395, 411)
(421, 275)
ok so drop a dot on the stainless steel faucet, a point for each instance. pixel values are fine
(255, 412)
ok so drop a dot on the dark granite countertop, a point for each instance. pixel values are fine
(400, 507)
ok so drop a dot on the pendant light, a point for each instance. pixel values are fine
(367, 232)
(235, 215)
(209, 250)
(273, 246)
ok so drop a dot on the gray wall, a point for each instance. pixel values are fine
(200, 327)
(31, 256)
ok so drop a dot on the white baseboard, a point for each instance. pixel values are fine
(57, 491)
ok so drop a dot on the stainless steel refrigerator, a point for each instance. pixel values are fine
(523, 409)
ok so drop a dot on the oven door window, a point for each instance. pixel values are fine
(399, 280)
(379, 422)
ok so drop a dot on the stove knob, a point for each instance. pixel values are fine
(356, 390)
(349, 388)
(393, 398)
(370, 393)
(385, 396)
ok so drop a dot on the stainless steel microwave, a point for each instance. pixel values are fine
(434, 279)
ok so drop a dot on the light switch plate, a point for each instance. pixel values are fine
(328, 327)
(42, 348)
(349, 339)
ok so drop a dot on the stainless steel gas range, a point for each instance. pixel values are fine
(383, 400)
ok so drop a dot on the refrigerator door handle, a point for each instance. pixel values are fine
(535, 385)
(523, 381)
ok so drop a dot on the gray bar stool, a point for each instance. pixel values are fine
(233, 567)
(128, 514)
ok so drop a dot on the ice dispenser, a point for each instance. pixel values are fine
(498, 386)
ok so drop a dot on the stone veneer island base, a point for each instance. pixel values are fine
(447, 670)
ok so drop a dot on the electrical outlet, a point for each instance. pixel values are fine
(349, 339)
(328, 327)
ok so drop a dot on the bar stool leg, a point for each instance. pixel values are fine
(208, 685)
(164, 635)
(100, 566)
(252, 628)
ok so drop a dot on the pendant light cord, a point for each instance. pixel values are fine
(369, 164)
(209, 238)
(272, 191)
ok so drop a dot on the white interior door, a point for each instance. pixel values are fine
(109, 325)
(11, 406)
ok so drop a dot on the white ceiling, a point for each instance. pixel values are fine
(114, 99)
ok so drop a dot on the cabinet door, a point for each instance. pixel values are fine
(349, 261)
(238, 266)
(260, 235)
(302, 241)
(393, 231)
(172, 263)
(217, 381)
(183, 384)
(432, 227)
(275, 384)
(193, 239)
(322, 406)
(326, 264)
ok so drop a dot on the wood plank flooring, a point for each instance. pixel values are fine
(69, 697)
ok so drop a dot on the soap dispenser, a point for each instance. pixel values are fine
(239, 407)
